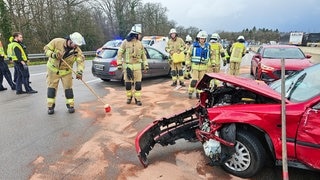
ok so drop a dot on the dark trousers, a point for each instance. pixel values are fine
(5, 72)
(22, 77)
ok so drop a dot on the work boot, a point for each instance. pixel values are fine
(138, 102)
(174, 83)
(70, 108)
(50, 110)
(182, 84)
(190, 95)
(3, 89)
(197, 95)
(129, 100)
(32, 91)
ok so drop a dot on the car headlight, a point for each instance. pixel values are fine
(266, 68)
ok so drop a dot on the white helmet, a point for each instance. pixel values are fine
(188, 38)
(240, 37)
(202, 34)
(136, 29)
(172, 31)
(215, 36)
(77, 39)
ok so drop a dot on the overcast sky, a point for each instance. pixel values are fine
(236, 15)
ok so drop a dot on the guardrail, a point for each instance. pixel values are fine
(43, 56)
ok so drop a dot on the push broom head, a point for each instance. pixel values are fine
(107, 108)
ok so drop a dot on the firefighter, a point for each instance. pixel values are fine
(174, 47)
(237, 51)
(200, 58)
(187, 70)
(68, 49)
(218, 54)
(20, 59)
(4, 70)
(131, 58)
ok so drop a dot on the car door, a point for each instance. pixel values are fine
(308, 137)
(157, 63)
(255, 62)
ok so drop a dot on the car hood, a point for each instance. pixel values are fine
(258, 87)
(290, 64)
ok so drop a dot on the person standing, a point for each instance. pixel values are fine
(4, 70)
(174, 47)
(61, 51)
(187, 70)
(131, 58)
(200, 58)
(20, 59)
(218, 55)
(237, 51)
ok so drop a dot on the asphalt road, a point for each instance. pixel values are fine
(27, 132)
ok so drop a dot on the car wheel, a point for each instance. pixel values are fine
(107, 80)
(249, 157)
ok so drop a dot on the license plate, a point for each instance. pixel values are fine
(99, 67)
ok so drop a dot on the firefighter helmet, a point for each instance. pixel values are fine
(240, 38)
(136, 29)
(215, 36)
(202, 34)
(188, 38)
(77, 39)
(172, 31)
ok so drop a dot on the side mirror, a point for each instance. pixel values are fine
(308, 56)
(165, 57)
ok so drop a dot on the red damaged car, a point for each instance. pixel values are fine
(239, 123)
(266, 63)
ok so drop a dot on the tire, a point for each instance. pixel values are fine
(249, 158)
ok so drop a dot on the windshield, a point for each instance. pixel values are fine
(108, 53)
(278, 53)
(302, 85)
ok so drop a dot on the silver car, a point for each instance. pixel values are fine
(104, 65)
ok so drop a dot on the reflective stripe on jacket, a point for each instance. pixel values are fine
(59, 45)
(200, 54)
(237, 51)
(134, 55)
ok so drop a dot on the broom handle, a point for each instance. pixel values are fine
(93, 92)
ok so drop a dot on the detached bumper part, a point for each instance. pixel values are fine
(165, 132)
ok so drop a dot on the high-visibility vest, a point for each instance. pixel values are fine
(12, 54)
(200, 54)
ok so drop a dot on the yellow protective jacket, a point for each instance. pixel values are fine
(59, 45)
(217, 50)
(199, 66)
(131, 54)
(237, 51)
(2, 53)
(176, 45)
(10, 48)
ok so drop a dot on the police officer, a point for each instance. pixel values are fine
(131, 58)
(237, 51)
(175, 45)
(68, 49)
(20, 59)
(200, 58)
(4, 70)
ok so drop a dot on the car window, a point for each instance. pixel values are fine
(278, 53)
(309, 82)
(108, 53)
(154, 54)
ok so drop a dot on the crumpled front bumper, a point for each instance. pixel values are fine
(166, 131)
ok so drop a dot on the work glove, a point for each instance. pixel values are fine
(119, 66)
(146, 67)
(56, 55)
(79, 75)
